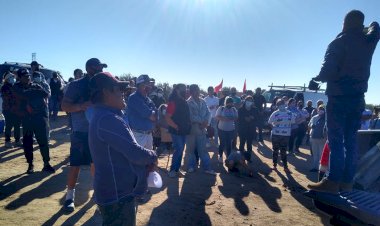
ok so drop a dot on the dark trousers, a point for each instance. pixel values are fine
(280, 143)
(301, 132)
(246, 136)
(120, 213)
(225, 139)
(54, 106)
(343, 122)
(12, 121)
(39, 126)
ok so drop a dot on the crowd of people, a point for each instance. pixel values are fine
(121, 127)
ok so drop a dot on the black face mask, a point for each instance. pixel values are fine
(229, 106)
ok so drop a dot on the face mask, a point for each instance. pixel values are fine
(37, 79)
(164, 112)
(321, 112)
(55, 80)
(229, 106)
(248, 104)
(233, 94)
(11, 80)
(160, 95)
(282, 107)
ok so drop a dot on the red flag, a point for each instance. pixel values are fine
(218, 87)
(245, 86)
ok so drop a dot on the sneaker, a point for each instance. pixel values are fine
(211, 172)
(30, 169)
(69, 205)
(8, 144)
(190, 170)
(48, 168)
(220, 159)
(325, 185)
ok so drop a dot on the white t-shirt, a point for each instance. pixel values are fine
(212, 104)
(282, 122)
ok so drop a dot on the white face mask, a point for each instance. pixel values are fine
(160, 95)
(248, 104)
(164, 112)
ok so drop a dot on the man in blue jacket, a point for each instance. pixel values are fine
(121, 164)
(142, 112)
(346, 69)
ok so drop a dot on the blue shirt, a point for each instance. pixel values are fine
(139, 110)
(77, 93)
(119, 161)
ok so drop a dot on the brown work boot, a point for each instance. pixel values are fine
(325, 185)
(346, 187)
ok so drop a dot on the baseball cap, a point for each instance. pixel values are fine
(22, 72)
(95, 62)
(143, 79)
(104, 80)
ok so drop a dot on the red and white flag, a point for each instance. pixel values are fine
(218, 87)
(245, 86)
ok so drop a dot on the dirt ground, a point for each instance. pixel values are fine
(269, 198)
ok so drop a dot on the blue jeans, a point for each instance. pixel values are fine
(178, 145)
(197, 141)
(226, 138)
(343, 122)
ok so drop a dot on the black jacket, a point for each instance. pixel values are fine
(347, 63)
(30, 100)
(243, 113)
(181, 117)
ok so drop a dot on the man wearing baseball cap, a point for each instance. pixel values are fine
(142, 112)
(76, 101)
(32, 108)
(121, 164)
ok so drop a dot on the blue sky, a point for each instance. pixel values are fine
(190, 41)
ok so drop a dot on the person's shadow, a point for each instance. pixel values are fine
(238, 188)
(185, 206)
(13, 184)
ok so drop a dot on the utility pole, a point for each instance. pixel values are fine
(34, 56)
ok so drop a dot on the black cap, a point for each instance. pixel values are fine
(95, 62)
(22, 72)
(143, 79)
(34, 63)
(104, 80)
